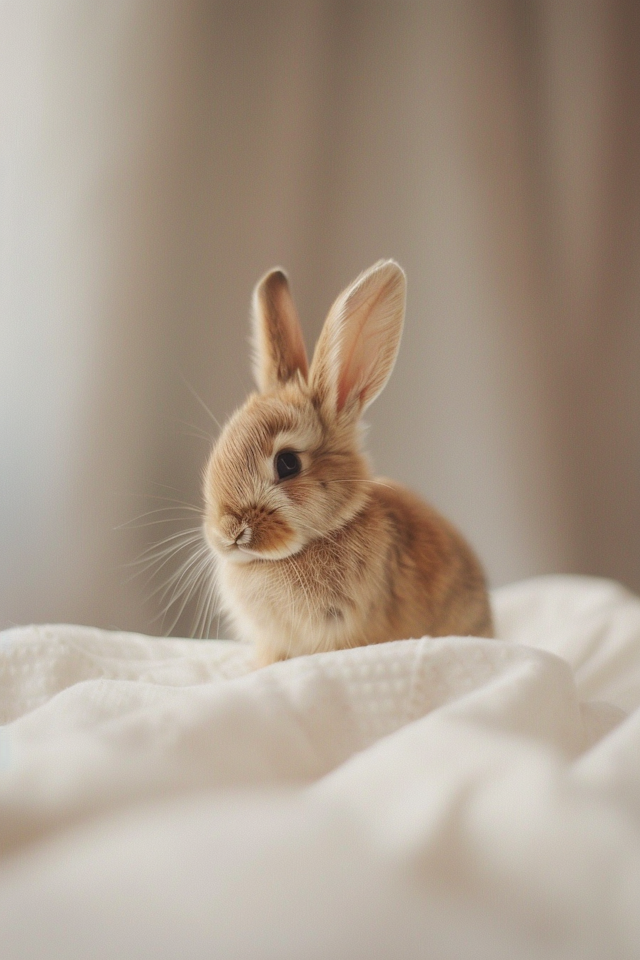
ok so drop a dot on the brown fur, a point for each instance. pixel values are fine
(332, 557)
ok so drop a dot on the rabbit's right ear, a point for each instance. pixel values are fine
(359, 342)
(278, 346)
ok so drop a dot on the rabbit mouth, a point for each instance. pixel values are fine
(236, 553)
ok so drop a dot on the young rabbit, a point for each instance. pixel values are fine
(312, 552)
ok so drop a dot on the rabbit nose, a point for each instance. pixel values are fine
(244, 537)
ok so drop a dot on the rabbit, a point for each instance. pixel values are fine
(312, 552)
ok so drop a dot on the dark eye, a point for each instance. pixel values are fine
(287, 464)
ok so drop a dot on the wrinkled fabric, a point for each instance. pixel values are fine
(449, 797)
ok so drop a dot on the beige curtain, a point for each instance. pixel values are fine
(157, 157)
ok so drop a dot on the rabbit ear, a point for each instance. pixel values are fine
(278, 347)
(360, 338)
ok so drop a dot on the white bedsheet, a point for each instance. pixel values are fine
(426, 798)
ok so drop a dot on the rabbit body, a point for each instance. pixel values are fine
(406, 574)
(313, 553)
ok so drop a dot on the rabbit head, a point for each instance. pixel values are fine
(289, 467)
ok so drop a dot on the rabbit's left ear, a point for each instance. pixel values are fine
(359, 342)
(278, 346)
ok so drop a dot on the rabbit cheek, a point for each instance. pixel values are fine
(297, 493)
(272, 534)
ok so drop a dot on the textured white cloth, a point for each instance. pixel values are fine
(456, 797)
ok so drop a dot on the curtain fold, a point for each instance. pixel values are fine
(156, 159)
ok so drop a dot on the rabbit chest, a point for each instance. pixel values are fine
(326, 597)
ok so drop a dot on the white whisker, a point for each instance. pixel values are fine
(195, 431)
(165, 545)
(201, 402)
(189, 575)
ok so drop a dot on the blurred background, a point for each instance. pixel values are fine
(157, 156)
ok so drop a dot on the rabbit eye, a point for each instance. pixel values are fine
(287, 464)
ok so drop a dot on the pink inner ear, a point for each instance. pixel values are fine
(288, 339)
(346, 386)
(279, 349)
(359, 341)
(296, 348)
(369, 341)
(358, 313)
(343, 393)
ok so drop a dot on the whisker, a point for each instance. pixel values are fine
(171, 582)
(158, 558)
(194, 431)
(150, 523)
(318, 533)
(208, 591)
(299, 576)
(177, 575)
(192, 584)
(179, 582)
(202, 598)
(210, 606)
(378, 483)
(157, 562)
(167, 486)
(192, 532)
(179, 565)
(201, 402)
(179, 503)
(173, 518)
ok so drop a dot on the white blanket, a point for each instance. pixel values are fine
(428, 798)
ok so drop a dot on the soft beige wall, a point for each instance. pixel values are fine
(157, 157)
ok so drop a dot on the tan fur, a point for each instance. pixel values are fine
(332, 557)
